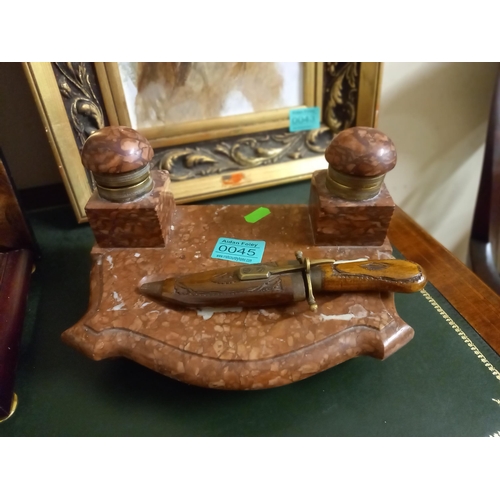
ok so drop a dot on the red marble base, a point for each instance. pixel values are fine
(340, 222)
(141, 223)
(232, 348)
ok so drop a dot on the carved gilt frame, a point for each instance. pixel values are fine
(74, 99)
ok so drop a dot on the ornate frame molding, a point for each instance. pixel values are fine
(71, 99)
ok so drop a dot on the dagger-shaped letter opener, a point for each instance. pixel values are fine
(278, 283)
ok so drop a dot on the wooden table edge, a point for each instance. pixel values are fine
(470, 296)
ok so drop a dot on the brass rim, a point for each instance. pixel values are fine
(129, 193)
(125, 179)
(352, 187)
(12, 408)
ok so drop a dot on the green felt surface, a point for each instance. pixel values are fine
(437, 385)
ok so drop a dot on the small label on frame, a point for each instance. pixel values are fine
(244, 251)
(304, 119)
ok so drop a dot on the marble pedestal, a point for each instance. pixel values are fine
(336, 221)
(141, 223)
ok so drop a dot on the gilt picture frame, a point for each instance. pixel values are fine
(245, 147)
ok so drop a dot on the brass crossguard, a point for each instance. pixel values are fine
(307, 275)
(258, 272)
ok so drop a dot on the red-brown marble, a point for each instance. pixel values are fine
(141, 223)
(116, 149)
(361, 151)
(336, 221)
(231, 349)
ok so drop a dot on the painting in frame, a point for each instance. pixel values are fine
(218, 128)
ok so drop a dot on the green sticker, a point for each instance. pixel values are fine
(304, 119)
(256, 215)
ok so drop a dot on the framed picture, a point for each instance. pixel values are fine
(218, 128)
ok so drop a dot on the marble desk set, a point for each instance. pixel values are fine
(142, 237)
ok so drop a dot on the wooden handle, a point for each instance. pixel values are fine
(373, 276)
